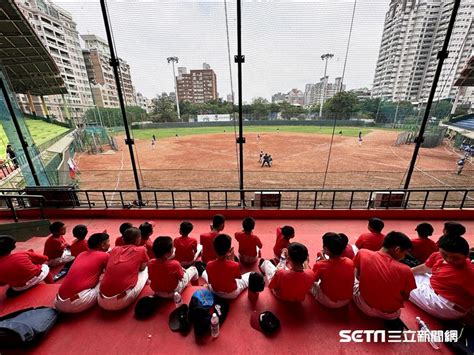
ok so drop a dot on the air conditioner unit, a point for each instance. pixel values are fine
(267, 199)
(387, 199)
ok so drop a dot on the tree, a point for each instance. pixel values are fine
(442, 109)
(341, 105)
(260, 107)
(369, 107)
(164, 109)
(112, 117)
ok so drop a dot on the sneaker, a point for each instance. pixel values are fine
(260, 263)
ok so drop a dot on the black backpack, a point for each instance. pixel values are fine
(26, 327)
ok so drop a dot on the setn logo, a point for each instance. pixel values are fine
(360, 336)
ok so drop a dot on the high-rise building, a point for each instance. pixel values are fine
(295, 97)
(314, 92)
(57, 30)
(198, 86)
(144, 102)
(101, 74)
(414, 32)
(278, 98)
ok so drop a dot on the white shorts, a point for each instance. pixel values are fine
(190, 274)
(34, 280)
(242, 284)
(63, 259)
(85, 300)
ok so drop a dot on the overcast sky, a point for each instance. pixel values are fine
(282, 40)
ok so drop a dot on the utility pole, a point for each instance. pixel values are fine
(173, 60)
(325, 57)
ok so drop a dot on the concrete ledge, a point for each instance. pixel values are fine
(22, 231)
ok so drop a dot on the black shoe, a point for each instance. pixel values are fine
(12, 293)
(200, 266)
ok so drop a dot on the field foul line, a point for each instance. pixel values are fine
(118, 177)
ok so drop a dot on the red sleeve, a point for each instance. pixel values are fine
(359, 242)
(432, 259)
(145, 257)
(179, 270)
(275, 282)
(410, 285)
(259, 242)
(316, 271)
(194, 245)
(237, 273)
(238, 236)
(37, 258)
(357, 261)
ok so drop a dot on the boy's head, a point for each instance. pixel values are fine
(218, 222)
(297, 253)
(376, 225)
(222, 243)
(248, 224)
(454, 229)
(454, 249)
(57, 228)
(132, 236)
(424, 230)
(7, 244)
(163, 247)
(80, 232)
(146, 229)
(397, 244)
(99, 241)
(288, 232)
(185, 228)
(124, 227)
(334, 244)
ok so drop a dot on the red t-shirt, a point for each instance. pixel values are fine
(456, 284)
(148, 244)
(78, 247)
(54, 247)
(280, 243)
(119, 242)
(371, 241)
(385, 283)
(84, 273)
(16, 269)
(222, 275)
(422, 248)
(207, 242)
(122, 269)
(164, 274)
(337, 277)
(185, 249)
(348, 252)
(292, 285)
(248, 243)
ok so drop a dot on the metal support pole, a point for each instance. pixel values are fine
(442, 55)
(176, 93)
(239, 59)
(30, 103)
(45, 107)
(114, 62)
(24, 145)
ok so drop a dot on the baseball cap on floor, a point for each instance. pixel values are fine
(266, 322)
(178, 319)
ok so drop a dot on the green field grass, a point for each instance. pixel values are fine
(186, 131)
(40, 131)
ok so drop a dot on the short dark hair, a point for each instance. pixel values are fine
(217, 220)
(454, 228)
(376, 224)
(55, 227)
(424, 230)
(454, 244)
(185, 228)
(297, 252)
(335, 243)
(124, 227)
(146, 229)
(248, 224)
(222, 243)
(397, 239)
(162, 246)
(96, 239)
(287, 231)
(80, 231)
(131, 235)
(7, 244)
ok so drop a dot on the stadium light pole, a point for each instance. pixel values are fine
(442, 55)
(173, 60)
(325, 57)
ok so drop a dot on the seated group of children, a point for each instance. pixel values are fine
(372, 272)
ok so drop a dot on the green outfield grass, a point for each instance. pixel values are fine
(40, 131)
(171, 132)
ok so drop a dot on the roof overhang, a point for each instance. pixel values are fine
(29, 66)
(467, 74)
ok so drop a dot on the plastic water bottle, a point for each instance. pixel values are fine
(423, 327)
(178, 300)
(214, 325)
(282, 263)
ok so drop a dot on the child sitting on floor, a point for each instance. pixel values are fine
(249, 243)
(293, 282)
(80, 244)
(21, 270)
(283, 237)
(223, 274)
(187, 248)
(168, 276)
(55, 247)
(80, 288)
(123, 227)
(374, 239)
(146, 230)
(449, 292)
(334, 275)
(207, 239)
(423, 247)
(349, 251)
(453, 228)
(126, 273)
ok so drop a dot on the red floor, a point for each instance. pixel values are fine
(306, 328)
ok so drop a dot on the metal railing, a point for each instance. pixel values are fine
(292, 199)
(21, 201)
